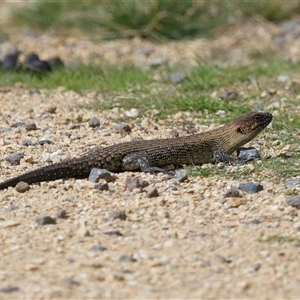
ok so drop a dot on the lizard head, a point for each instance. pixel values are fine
(246, 127)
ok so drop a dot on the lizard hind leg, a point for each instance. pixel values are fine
(140, 161)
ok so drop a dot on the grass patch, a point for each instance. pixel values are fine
(157, 19)
(280, 239)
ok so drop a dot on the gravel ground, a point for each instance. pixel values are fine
(187, 242)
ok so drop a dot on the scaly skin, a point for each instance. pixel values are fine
(152, 155)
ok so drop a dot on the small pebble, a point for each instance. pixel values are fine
(122, 127)
(97, 174)
(152, 193)
(177, 77)
(248, 154)
(12, 207)
(22, 187)
(94, 122)
(34, 91)
(127, 258)
(18, 124)
(30, 126)
(228, 95)
(9, 289)
(98, 248)
(156, 62)
(232, 192)
(113, 233)
(101, 187)
(292, 183)
(45, 142)
(293, 201)
(132, 113)
(45, 220)
(27, 143)
(61, 214)
(83, 232)
(181, 175)
(14, 158)
(114, 215)
(251, 187)
(132, 183)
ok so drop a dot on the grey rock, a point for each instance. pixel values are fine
(97, 174)
(177, 77)
(5, 129)
(248, 154)
(251, 187)
(228, 95)
(45, 220)
(30, 126)
(14, 158)
(114, 215)
(94, 122)
(293, 201)
(181, 175)
(153, 193)
(232, 192)
(22, 187)
(292, 183)
(34, 91)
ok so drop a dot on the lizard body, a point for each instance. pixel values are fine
(152, 155)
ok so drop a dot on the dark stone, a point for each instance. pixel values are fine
(28, 143)
(247, 154)
(153, 193)
(101, 187)
(18, 124)
(55, 62)
(30, 126)
(251, 187)
(45, 220)
(113, 233)
(44, 142)
(35, 65)
(232, 192)
(10, 60)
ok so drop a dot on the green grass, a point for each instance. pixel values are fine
(280, 239)
(157, 19)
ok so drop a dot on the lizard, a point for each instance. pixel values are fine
(211, 146)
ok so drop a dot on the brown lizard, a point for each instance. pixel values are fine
(152, 155)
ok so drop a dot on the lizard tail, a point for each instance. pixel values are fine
(51, 172)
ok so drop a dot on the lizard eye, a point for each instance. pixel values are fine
(257, 118)
(240, 130)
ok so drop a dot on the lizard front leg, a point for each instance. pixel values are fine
(142, 161)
